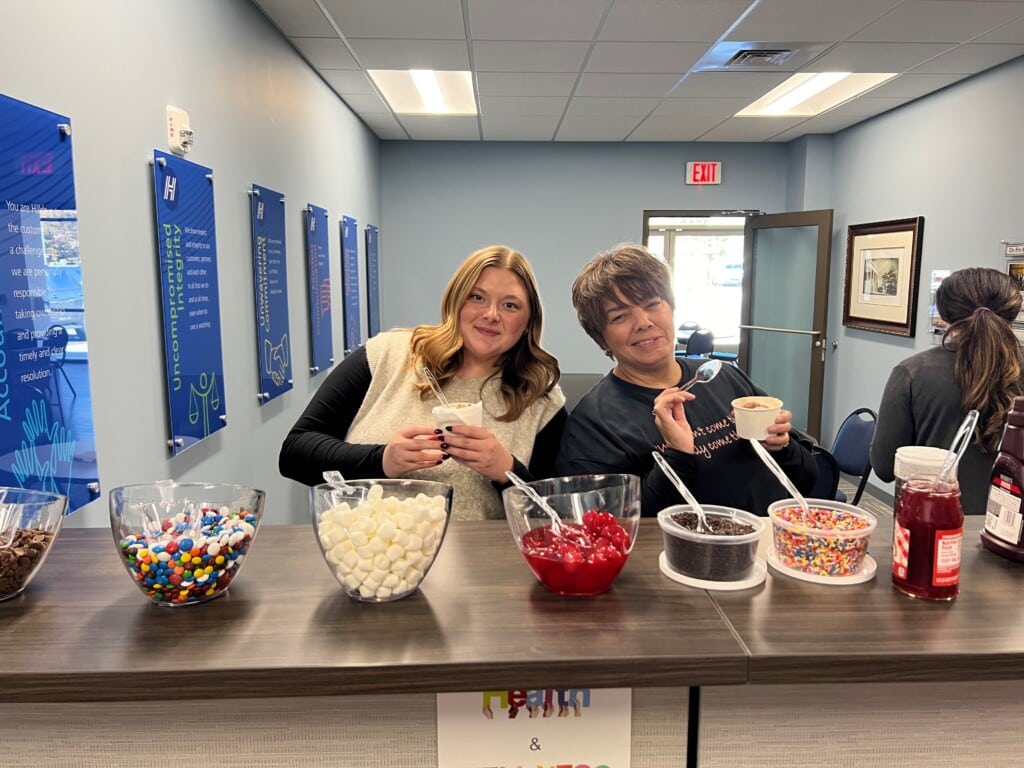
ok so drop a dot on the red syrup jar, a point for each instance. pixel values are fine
(928, 539)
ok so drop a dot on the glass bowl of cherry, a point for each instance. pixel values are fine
(578, 545)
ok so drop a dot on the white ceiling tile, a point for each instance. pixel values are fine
(525, 83)
(428, 19)
(924, 21)
(674, 128)
(297, 18)
(599, 84)
(822, 20)
(645, 57)
(1008, 33)
(710, 108)
(384, 126)
(752, 84)
(347, 81)
(511, 56)
(913, 86)
(437, 127)
(535, 19)
(522, 105)
(750, 128)
(875, 57)
(671, 20)
(519, 127)
(586, 128)
(601, 107)
(366, 103)
(969, 59)
(327, 52)
(410, 54)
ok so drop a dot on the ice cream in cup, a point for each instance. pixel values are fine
(754, 414)
(459, 413)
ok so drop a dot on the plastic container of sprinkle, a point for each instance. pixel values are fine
(831, 541)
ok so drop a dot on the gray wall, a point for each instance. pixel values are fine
(953, 157)
(260, 115)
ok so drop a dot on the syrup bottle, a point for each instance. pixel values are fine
(1004, 532)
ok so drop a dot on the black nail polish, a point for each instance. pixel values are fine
(449, 428)
(445, 456)
(444, 446)
(439, 461)
(437, 431)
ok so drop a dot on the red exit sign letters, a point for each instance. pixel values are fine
(703, 173)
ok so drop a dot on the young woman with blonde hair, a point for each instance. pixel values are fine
(372, 415)
(978, 366)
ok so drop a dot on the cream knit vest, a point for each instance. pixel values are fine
(393, 402)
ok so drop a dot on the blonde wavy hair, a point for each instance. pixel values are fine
(980, 304)
(528, 372)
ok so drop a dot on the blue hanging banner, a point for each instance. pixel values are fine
(46, 425)
(350, 282)
(372, 280)
(189, 292)
(270, 281)
(318, 268)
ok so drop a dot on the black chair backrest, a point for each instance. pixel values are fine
(828, 474)
(56, 340)
(701, 342)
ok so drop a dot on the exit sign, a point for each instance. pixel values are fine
(703, 173)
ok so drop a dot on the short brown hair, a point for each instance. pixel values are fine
(632, 270)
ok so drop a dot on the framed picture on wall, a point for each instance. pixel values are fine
(883, 260)
(1015, 268)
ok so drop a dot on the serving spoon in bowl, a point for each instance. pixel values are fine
(664, 466)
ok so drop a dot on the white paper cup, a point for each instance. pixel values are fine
(918, 460)
(754, 414)
(459, 413)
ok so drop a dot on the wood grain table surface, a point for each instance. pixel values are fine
(800, 632)
(83, 631)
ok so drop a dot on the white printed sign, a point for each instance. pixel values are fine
(539, 728)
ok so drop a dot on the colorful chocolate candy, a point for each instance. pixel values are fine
(193, 557)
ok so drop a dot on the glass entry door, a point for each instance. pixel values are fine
(785, 306)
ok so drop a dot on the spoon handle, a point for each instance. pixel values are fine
(781, 476)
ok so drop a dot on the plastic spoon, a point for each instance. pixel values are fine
(664, 466)
(557, 526)
(781, 476)
(435, 387)
(339, 487)
(961, 440)
(705, 373)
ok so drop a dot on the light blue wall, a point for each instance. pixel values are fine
(954, 157)
(557, 203)
(260, 114)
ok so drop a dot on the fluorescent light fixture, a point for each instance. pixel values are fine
(806, 94)
(425, 91)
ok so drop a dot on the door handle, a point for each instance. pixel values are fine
(778, 330)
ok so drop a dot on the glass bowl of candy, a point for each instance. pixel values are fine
(29, 523)
(380, 537)
(726, 553)
(184, 543)
(583, 553)
(830, 541)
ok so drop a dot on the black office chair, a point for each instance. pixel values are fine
(56, 344)
(852, 448)
(827, 484)
(684, 331)
(701, 343)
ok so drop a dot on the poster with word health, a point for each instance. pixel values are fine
(318, 272)
(270, 283)
(535, 728)
(46, 420)
(372, 281)
(190, 296)
(350, 282)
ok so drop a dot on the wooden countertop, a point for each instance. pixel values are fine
(799, 632)
(82, 631)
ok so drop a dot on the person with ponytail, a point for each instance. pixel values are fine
(371, 418)
(978, 366)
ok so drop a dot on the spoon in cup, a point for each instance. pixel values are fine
(782, 477)
(435, 387)
(664, 466)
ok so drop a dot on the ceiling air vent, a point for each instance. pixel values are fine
(764, 57)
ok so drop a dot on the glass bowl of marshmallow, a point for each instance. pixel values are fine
(380, 537)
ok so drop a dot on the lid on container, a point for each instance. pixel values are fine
(918, 460)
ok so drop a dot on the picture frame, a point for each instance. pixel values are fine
(883, 261)
(1015, 269)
